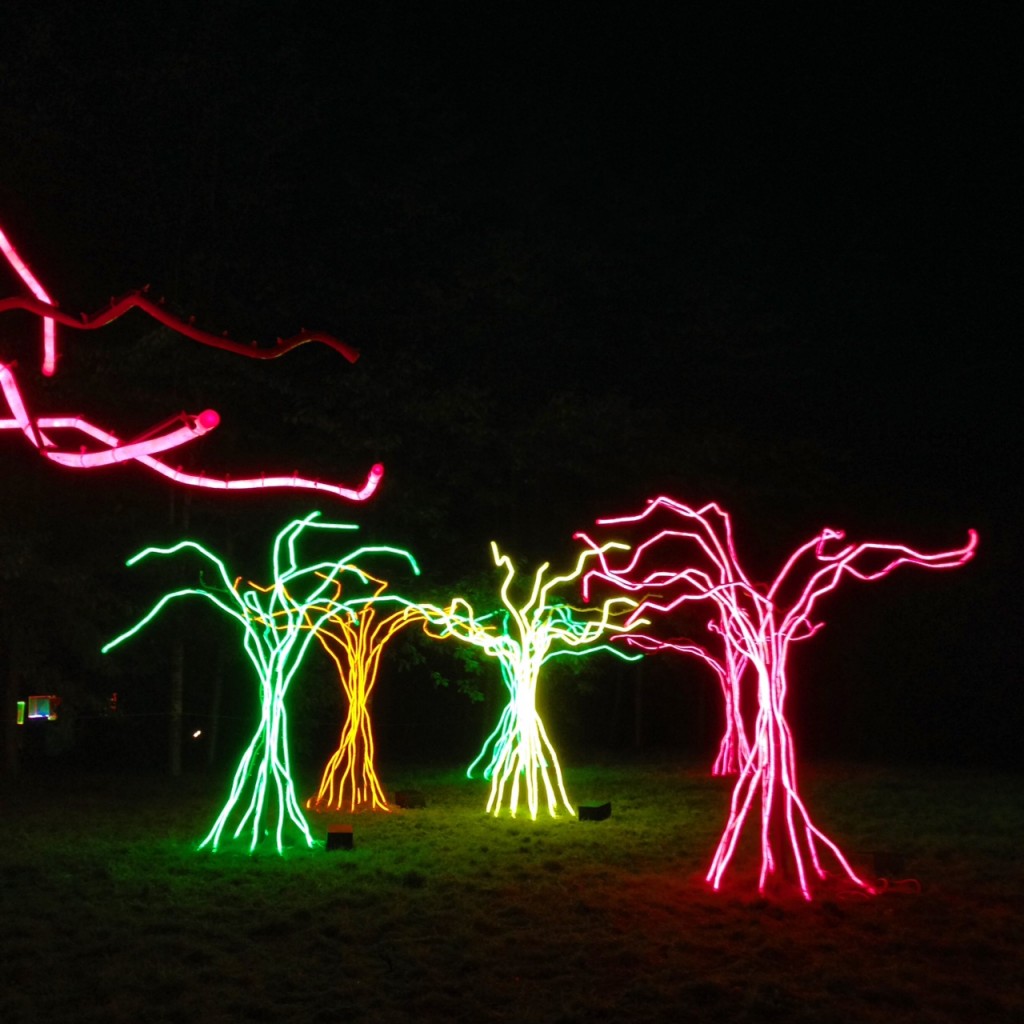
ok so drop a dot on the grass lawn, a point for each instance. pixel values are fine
(107, 913)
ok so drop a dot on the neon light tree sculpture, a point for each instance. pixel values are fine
(110, 449)
(277, 628)
(519, 754)
(354, 632)
(759, 624)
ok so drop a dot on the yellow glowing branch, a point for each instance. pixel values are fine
(519, 755)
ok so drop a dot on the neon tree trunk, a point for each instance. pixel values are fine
(518, 753)
(350, 775)
(263, 776)
(759, 626)
(518, 756)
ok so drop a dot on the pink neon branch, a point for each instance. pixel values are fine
(115, 451)
(756, 625)
(181, 429)
(139, 300)
(29, 279)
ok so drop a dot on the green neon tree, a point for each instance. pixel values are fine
(278, 626)
(522, 638)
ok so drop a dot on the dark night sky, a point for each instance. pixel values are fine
(793, 231)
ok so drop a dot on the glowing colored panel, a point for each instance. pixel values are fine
(20, 714)
(44, 706)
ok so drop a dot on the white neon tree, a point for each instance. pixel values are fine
(759, 624)
(522, 638)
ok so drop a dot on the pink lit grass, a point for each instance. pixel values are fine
(446, 913)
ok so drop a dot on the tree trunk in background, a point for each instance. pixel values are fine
(179, 517)
(177, 700)
(638, 707)
(10, 699)
(216, 695)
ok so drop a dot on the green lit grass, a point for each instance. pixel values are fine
(445, 913)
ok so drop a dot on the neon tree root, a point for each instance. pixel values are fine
(758, 625)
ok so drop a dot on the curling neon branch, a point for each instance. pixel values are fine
(44, 432)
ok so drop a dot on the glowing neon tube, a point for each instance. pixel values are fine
(49, 330)
(142, 451)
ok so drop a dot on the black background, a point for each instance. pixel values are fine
(589, 254)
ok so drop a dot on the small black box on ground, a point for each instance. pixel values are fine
(595, 812)
(339, 837)
(410, 798)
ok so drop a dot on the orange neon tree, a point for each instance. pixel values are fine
(354, 631)
(759, 623)
(523, 637)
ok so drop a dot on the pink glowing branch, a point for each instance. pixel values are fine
(49, 330)
(139, 300)
(160, 439)
(142, 451)
(43, 306)
(756, 628)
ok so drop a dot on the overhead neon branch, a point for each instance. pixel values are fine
(758, 624)
(278, 623)
(42, 431)
(518, 756)
(29, 279)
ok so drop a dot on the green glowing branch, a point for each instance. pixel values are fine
(277, 628)
(519, 754)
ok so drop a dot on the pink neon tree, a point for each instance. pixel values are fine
(759, 624)
(109, 449)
